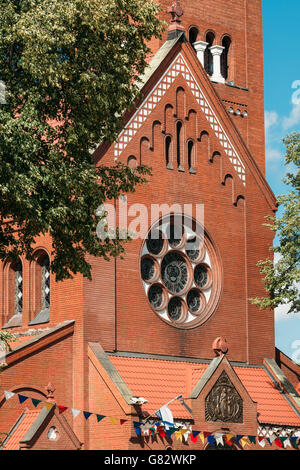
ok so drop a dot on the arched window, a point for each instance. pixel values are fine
(208, 58)
(226, 42)
(41, 288)
(168, 143)
(14, 294)
(193, 34)
(190, 156)
(178, 141)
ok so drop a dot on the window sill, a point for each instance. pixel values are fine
(15, 320)
(42, 317)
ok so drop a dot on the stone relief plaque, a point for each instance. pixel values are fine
(223, 403)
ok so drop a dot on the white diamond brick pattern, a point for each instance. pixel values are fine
(178, 66)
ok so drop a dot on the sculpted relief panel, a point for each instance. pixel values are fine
(223, 403)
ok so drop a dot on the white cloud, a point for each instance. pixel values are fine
(293, 119)
(271, 118)
(273, 154)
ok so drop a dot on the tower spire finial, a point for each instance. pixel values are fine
(176, 12)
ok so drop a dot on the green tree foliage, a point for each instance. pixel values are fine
(282, 279)
(71, 68)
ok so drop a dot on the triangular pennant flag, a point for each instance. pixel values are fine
(152, 431)
(219, 439)
(61, 408)
(8, 395)
(278, 442)
(269, 441)
(261, 442)
(211, 439)
(178, 436)
(122, 421)
(113, 420)
(194, 436)
(293, 441)
(272, 438)
(202, 437)
(137, 428)
(252, 439)
(75, 412)
(206, 434)
(238, 438)
(87, 414)
(287, 443)
(244, 441)
(22, 398)
(48, 405)
(100, 417)
(35, 402)
(170, 431)
(161, 431)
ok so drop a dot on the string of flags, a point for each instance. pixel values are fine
(165, 426)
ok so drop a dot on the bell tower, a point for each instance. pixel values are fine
(226, 36)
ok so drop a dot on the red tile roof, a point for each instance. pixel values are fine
(23, 425)
(160, 380)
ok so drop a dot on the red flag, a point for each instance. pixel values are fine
(161, 431)
(62, 408)
(278, 442)
(207, 434)
(122, 421)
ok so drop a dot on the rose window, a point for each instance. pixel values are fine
(180, 273)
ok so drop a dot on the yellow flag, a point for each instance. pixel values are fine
(178, 435)
(113, 420)
(229, 436)
(201, 435)
(244, 441)
(48, 405)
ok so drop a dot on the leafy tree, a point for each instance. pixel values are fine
(71, 68)
(281, 279)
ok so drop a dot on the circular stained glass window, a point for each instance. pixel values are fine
(155, 242)
(174, 272)
(179, 268)
(201, 275)
(148, 268)
(175, 308)
(156, 296)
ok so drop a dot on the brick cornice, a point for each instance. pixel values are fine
(43, 340)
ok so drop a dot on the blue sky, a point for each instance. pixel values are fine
(281, 22)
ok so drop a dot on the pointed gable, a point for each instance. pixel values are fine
(176, 58)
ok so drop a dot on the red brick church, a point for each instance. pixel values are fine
(94, 361)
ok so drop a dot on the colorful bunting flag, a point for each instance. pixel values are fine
(211, 439)
(48, 405)
(35, 402)
(219, 439)
(261, 442)
(8, 395)
(22, 398)
(278, 442)
(100, 417)
(75, 412)
(202, 437)
(113, 420)
(137, 428)
(194, 436)
(122, 421)
(252, 439)
(87, 414)
(238, 438)
(161, 431)
(61, 408)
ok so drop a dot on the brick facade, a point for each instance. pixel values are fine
(112, 310)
